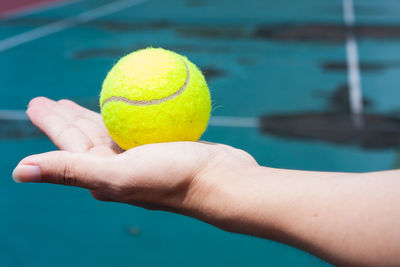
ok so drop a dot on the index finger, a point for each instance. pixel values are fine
(62, 133)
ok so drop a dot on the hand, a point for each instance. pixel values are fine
(342, 217)
(178, 176)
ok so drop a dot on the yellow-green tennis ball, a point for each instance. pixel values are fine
(154, 95)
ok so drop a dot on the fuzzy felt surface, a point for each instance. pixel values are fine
(149, 74)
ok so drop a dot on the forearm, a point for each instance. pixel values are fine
(343, 218)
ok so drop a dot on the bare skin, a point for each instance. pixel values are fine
(344, 218)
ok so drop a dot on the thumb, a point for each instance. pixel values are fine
(62, 167)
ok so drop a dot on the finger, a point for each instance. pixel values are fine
(87, 113)
(66, 168)
(89, 122)
(62, 133)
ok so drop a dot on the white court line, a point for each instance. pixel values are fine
(64, 24)
(229, 121)
(218, 121)
(353, 68)
(13, 115)
(31, 9)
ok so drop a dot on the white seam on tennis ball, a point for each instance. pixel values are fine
(152, 101)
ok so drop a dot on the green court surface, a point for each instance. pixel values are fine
(262, 59)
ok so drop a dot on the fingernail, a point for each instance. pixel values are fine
(26, 174)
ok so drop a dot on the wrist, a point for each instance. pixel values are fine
(231, 199)
(251, 204)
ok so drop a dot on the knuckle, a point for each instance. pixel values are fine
(69, 176)
(65, 102)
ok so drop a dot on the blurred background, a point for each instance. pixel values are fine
(308, 84)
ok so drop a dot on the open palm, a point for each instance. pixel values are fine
(152, 176)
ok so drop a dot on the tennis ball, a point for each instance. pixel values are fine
(154, 95)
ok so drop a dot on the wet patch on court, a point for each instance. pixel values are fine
(339, 100)
(325, 32)
(119, 52)
(99, 52)
(291, 32)
(280, 32)
(341, 66)
(377, 132)
(212, 72)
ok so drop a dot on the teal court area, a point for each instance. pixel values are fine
(278, 73)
